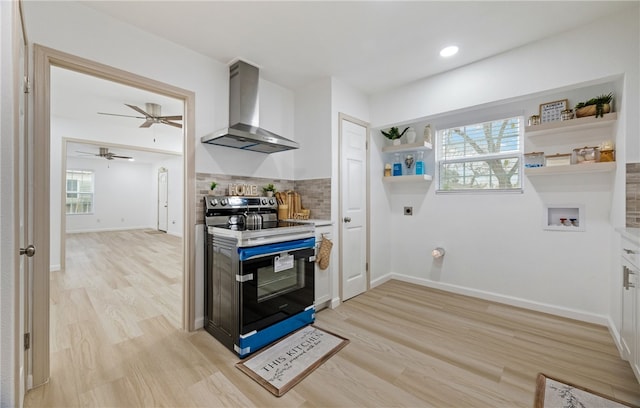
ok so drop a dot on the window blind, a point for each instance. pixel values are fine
(481, 156)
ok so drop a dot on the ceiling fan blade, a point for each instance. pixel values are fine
(166, 122)
(126, 116)
(92, 154)
(147, 123)
(175, 117)
(135, 108)
(116, 156)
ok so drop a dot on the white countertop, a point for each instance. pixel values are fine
(632, 234)
(317, 222)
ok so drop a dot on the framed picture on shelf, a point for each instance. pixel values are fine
(550, 111)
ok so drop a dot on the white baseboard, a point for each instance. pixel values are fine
(54, 268)
(615, 334)
(508, 300)
(198, 323)
(335, 302)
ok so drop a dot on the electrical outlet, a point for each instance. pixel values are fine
(408, 210)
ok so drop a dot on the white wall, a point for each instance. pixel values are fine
(123, 196)
(495, 245)
(8, 267)
(313, 131)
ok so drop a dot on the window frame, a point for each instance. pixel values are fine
(519, 155)
(78, 192)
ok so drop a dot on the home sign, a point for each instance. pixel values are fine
(243, 190)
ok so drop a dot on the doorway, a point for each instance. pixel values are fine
(354, 212)
(163, 199)
(45, 59)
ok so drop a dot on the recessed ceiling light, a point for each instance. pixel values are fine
(449, 51)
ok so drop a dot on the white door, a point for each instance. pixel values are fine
(163, 200)
(353, 206)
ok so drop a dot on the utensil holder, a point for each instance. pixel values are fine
(283, 211)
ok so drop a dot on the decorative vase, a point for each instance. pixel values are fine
(212, 192)
(427, 134)
(396, 142)
(269, 193)
(411, 135)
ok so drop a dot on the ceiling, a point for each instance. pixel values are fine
(371, 45)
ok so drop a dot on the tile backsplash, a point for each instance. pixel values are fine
(633, 195)
(315, 194)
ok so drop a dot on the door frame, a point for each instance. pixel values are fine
(344, 117)
(44, 58)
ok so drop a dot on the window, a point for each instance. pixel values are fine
(79, 192)
(481, 157)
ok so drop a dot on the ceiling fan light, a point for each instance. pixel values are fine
(449, 51)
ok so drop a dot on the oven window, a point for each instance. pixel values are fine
(272, 283)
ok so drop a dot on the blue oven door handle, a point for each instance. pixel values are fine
(252, 252)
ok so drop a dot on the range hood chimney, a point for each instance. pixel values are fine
(244, 131)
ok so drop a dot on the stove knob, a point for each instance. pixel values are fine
(223, 202)
(272, 201)
(264, 201)
(214, 202)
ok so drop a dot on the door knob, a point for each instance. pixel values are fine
(347, 219)
(28, 251)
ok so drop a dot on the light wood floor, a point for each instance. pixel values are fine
(410, 346)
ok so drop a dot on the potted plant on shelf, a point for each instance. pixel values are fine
(597, 106)
(212, 188)
(269, 190)
(394, 134)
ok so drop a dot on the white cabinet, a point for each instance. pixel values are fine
(564, 136)
(630, 330)
(402, 149)
(323, 276)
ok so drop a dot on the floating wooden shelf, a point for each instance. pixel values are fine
(571, 169)
(407, 147)
(407, 179)
(590, 122)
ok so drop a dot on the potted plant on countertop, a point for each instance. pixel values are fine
(595, 106)
(394, 134)
(269, 190)
(212, 188)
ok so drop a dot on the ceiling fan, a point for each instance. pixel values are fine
(151, 115)
(104, 152)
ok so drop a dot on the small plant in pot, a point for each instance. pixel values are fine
(269, 190)
(394, 134)
(595, 106)
(212, 188)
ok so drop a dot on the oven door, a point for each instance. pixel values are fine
(276, 282)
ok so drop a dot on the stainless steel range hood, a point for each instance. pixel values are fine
(244, 131)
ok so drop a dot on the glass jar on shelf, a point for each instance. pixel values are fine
(409, 161)
(566, 114)
(534, 159)
(420, 162)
